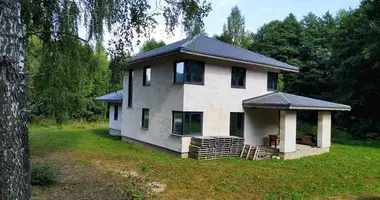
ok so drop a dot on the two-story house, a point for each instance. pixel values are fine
(202, 86)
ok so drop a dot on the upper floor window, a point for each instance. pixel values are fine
(116, 113)
(146, 76)
(187, 123)
(238, 77)
(130, 87)
(272, 81)
(189, 71)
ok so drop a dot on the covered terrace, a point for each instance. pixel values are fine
(284, 122)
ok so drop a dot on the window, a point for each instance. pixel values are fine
(237, 124)
(145, 118)
(238, 77)
(146, 78)
(116, 113)
(272, 81)
(130, 88)
(189, 71)
(187, 123)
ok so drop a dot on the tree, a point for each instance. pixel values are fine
(151, 44)
(14, 148)
(356, 51)
(116, 67)
(51, 21)
(234, 31)
(280, 40)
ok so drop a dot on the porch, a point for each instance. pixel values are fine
(275, 114)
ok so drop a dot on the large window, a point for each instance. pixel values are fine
(237, 124)
(146, 76)
(187, 123)
(238, 77)
(130, 88)
(145, 118)
(116, 113)
(189, 71)
(272, 81)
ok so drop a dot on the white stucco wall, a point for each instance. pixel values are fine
(216, 99)
(259, 124)
(115, 124)
(161, 98)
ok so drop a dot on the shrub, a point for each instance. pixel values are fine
(135, 188)
(144, 169)
(44, 174)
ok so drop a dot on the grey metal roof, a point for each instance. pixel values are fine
(204, 45)
(111, 97)
(283, 100)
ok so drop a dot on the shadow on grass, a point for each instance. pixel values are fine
(364, 143)
(105, 134)
(44, 142)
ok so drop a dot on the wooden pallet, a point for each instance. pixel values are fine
(205, 148)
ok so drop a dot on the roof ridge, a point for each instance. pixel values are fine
(264, 95)
(283, 96)
(190, 40)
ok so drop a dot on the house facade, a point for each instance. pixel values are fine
(203, 87)
(115, 113)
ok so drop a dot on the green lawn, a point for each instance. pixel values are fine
(347, 171)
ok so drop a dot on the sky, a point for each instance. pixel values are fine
(256, 13)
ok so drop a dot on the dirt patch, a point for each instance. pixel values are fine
(78, 181)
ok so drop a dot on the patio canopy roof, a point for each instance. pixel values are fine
(281, 100)
(111, 97)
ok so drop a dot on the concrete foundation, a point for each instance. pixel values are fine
(303, 151)
(154, 147)
(115, 132)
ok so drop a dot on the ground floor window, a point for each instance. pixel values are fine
(187, 123)
(237, 124)
(145, 118)
(116, 113)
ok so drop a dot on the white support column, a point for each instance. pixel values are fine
(288, 128)
(324, 129)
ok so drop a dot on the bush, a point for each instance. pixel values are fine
(44, 175)
(135, 188)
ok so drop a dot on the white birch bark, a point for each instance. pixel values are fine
(14, 148)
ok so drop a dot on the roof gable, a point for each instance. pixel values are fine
(207, 46)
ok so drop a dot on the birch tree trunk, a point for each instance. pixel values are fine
(14, 148)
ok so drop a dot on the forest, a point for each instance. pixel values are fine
(337, 54)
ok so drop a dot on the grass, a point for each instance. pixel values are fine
(350, 169)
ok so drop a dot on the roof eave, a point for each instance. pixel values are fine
(319, 108)
(108, 101)
(238, 61)
(248, 105)
(181, 50)
(156, 56)
(289, 107)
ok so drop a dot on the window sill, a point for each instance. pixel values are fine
(237, 87)
(271, 90)
(144, 128)
(194, 135)
(188, 83)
